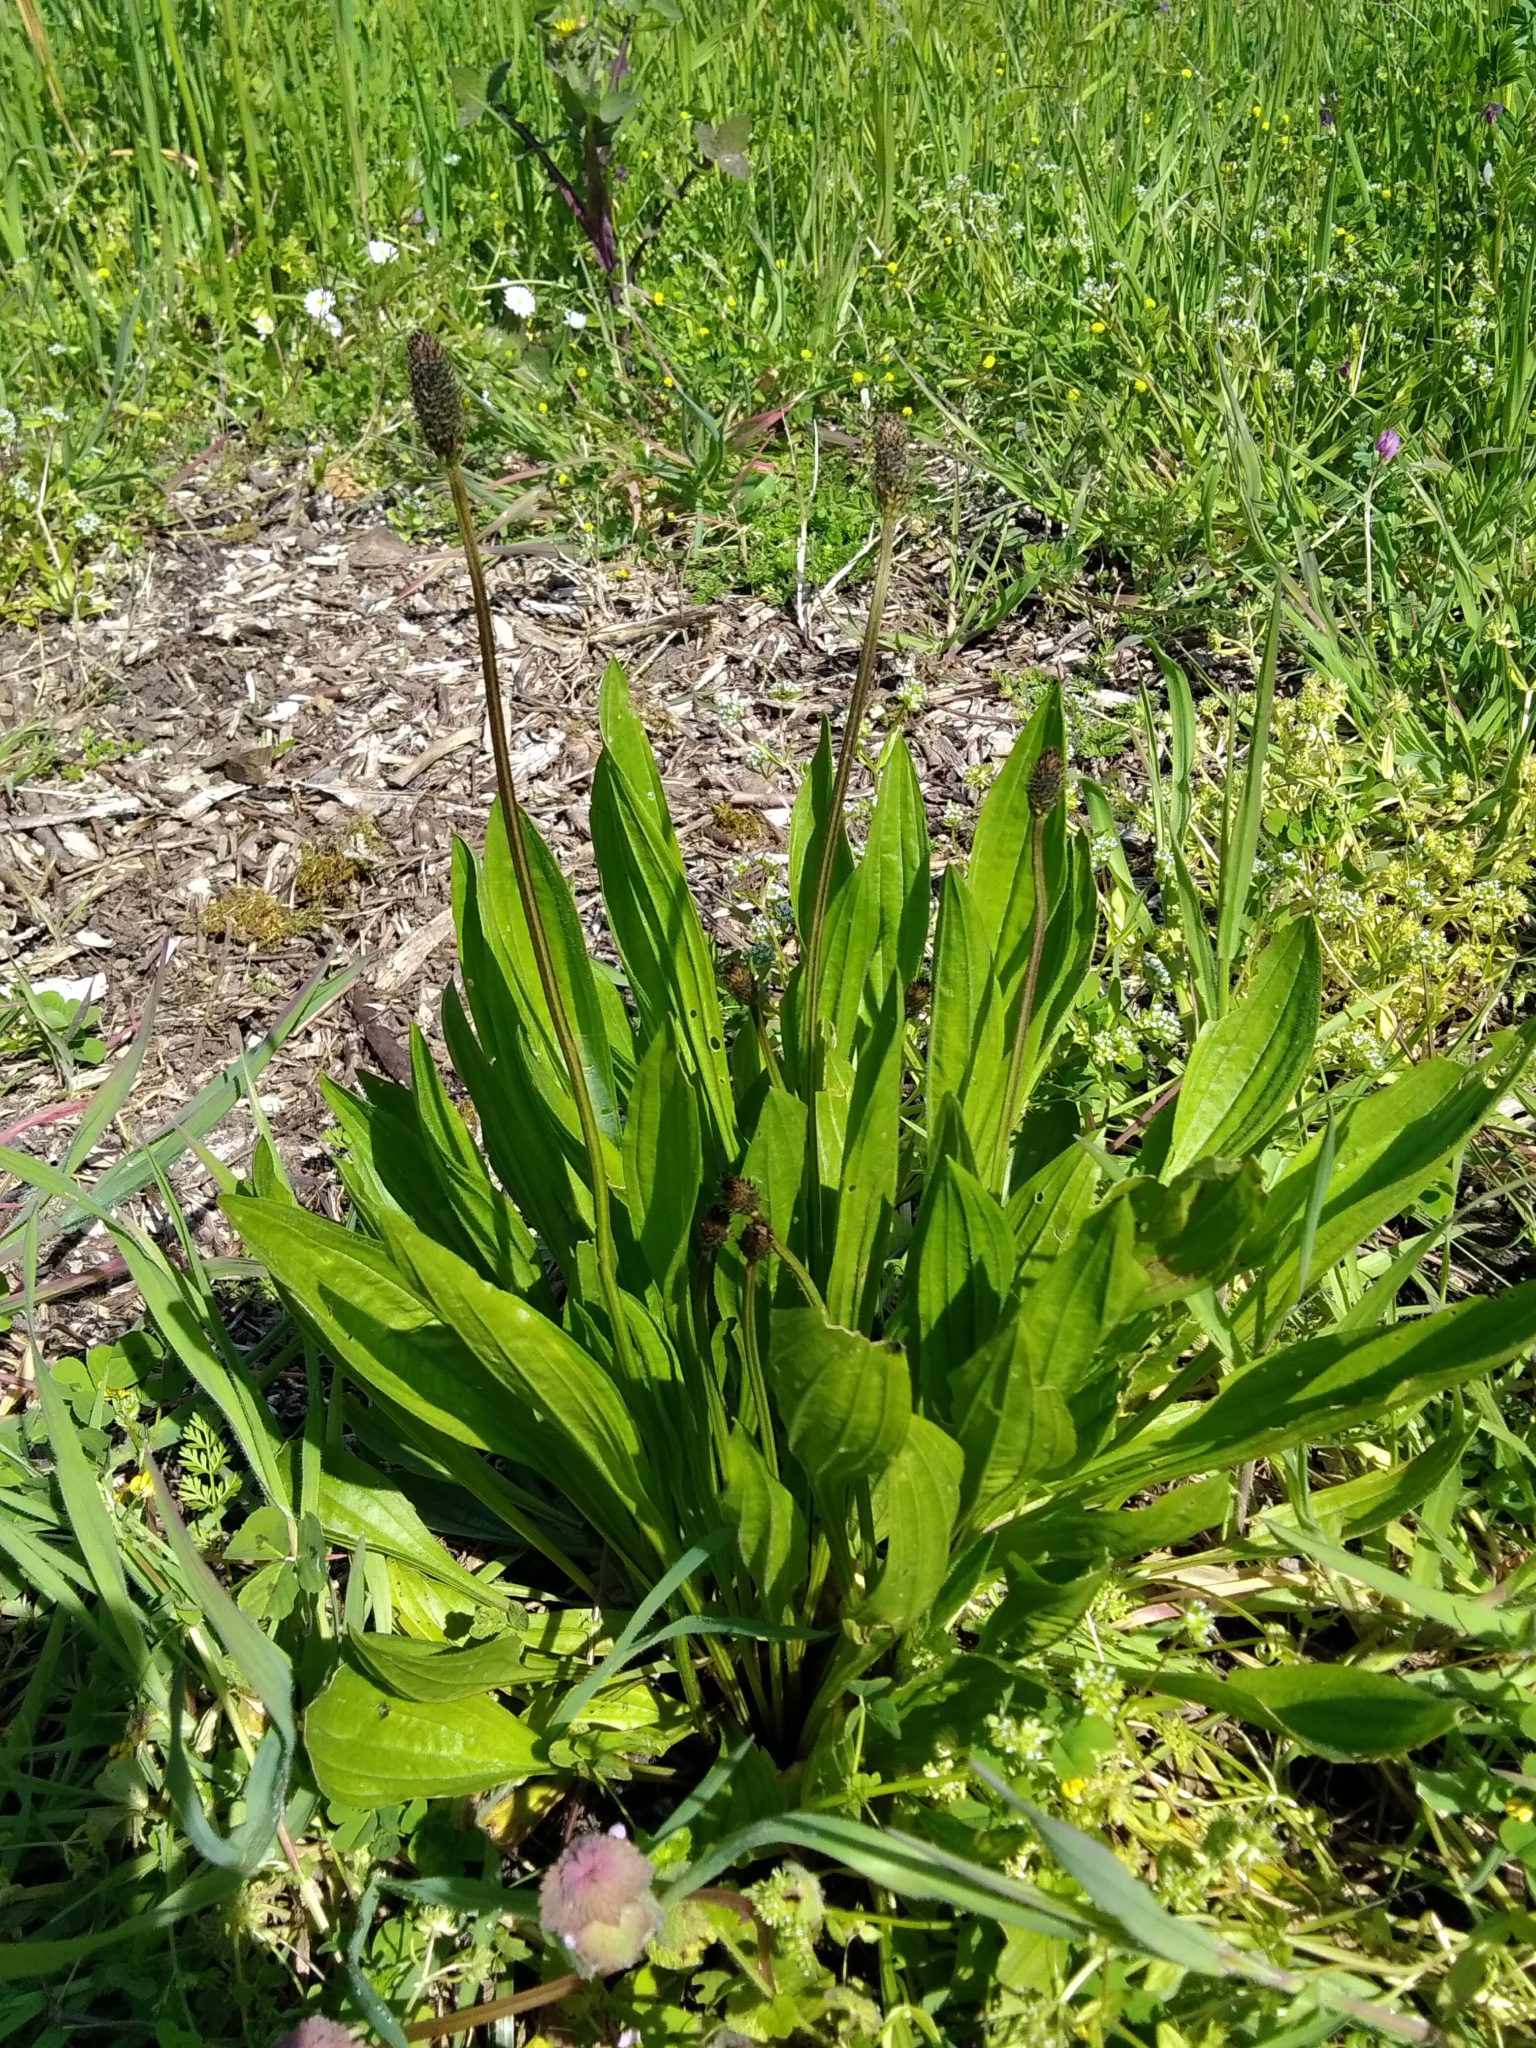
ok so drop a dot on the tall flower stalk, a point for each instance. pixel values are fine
(440, 413)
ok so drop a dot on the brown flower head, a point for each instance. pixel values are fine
(756, 1241)
(740, 982)
(891, 462)
(1046, 782)
(714, 1229)
(435, 395)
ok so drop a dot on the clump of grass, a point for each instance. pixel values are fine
(248, 916)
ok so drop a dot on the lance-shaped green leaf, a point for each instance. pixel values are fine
(651, 910)
(1000, 873)
(878, 925)
(867, 1181)
(961, 1269)
(1385, 1150)
(435, 1673)
(507, 928)
(600, 1463)
(768, 1522)
(1012, 1427)
(846, 1401)
(1329, 1383)
(1247, 1065)
(367, 1305)
(663, 1166)
(807, 830)
(1331, 1710)
(916, 1500)
(967, 1045)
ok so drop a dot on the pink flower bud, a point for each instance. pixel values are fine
(597, 1902)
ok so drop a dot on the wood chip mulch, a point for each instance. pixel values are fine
(298, 713)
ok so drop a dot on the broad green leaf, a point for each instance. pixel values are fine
(1090, 1285)
(775, 1160)
(725, 146)
(431, 1673)
(1315, 1389)
(355, 1295)
(1173, 1518)
(663, 1166)
(1194, 1233)
(357, 1504)
(1064, 960)
(368, 1747)
(1357, 1507)
(967, 1050)
(1332, 1710)
(1048, 1208)
(1247, 1065)
(867, 1181)
(916, 1500)
(651, 910)
(768, 1522)
(563, 1388)
(846, 1401)
(960, 1271)
(1011, 1426)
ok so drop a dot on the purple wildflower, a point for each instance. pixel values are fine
(596, 1900)
(1492, 112)
(1389, 444)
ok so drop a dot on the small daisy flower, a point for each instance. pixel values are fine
(265, 326)
(574, 320)
(518, 299)
(320, 305)
(380, 251)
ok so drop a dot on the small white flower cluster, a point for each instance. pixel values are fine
(7, 426)
(320, 305)
(1099, 1688)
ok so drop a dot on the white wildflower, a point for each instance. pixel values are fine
(380, 251)
(320, 305)
(574, 320)
(519, 300)
(265, 326)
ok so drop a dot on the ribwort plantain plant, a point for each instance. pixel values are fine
(773, 1358)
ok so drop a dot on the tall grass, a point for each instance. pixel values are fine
(1172, 272)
